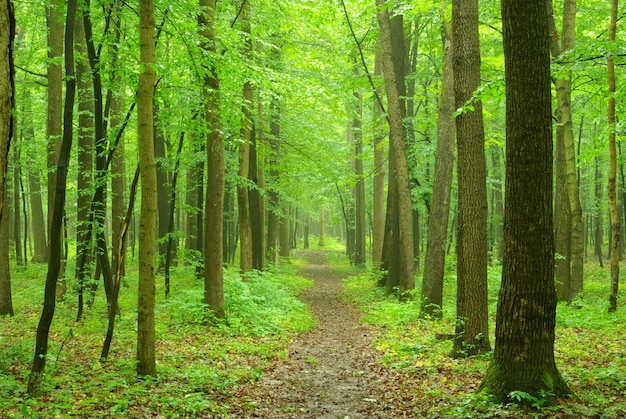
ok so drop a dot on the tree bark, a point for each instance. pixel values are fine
(214, 207)
(243, 201)
(472, 329)
(393, 75)
(146, 334)
(273, 198)
(360, 256)
(118, 163)
(524, 351)
(564, 119)
(17, 216)
(283, 235)
(597, 218)
(615, 220)
(56, 222)
(257, 200)
(38, 225)
(378, 204)
(6, 299)
(434, 262)
(54, 121)
(164, 188)
(7, 104)
(243, 192)
(85, 144)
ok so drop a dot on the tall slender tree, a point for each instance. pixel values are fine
(615, 220)
(472, 328)
(524, 351)
(359, 207)
(570, 275)
(393, 71)
(54, 121)
(273, 198)
(243, 200)
(85, 160)
(214, 207)
(56, 221)
(378, 198)
(434, 262)
(146, 334)
(257, 200)
(7, 103)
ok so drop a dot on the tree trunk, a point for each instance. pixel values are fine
(524, 351)
(85, 145)
(257, 200)
(598, 231)
(243, 201)
(283, 236)
(615, 220)
(214, 208)
(17, 218)
(7, 104)
(54, 121)
(562, 231)
(322, 222)
(472, 329)
(273, 198)
(163, 188)
(6, 299)
(434, 262)
(56, 221)
(146, 334)
(229, 228)
(118, 163)
(378, 204)
(497, 204)
(193, 205)
(393, 76)
(360, 256)
(243, 198)
(565, 138)
(38, 223)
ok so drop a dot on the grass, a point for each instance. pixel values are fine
(590, 351)
(200, 360)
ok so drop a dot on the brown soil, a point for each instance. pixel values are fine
(331, 371)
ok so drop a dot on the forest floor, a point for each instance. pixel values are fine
(331, 371)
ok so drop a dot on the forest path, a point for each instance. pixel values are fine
(331, 371)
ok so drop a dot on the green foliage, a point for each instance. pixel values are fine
(588, 349)
(200, 360)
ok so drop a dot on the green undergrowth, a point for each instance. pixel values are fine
(200, 360)
(590, 351)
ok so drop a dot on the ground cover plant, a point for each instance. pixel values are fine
(200, 360)
(590, 350)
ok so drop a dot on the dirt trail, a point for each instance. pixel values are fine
(331, 371)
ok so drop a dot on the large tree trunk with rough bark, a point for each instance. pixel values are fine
(393, 70)
(524, 351)
(214, 206)
(146, 333)
(7, 103)
(472, 328)
(434, 262)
